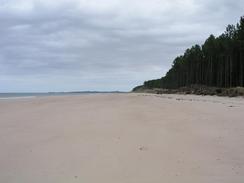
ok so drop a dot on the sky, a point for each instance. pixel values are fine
(101, 45)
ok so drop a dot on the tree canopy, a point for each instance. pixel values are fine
(218, 62)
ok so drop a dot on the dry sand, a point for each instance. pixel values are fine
(122, 138)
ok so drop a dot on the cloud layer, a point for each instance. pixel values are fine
(64, 45)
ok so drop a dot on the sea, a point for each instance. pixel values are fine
(9, 96)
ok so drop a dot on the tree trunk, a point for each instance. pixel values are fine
(241, 68)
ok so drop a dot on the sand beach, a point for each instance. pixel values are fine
(122, 138)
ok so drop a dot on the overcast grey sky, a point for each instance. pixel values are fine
(67, 45)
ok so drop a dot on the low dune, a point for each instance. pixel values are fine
(122, 138)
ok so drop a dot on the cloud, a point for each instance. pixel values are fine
(101, 44)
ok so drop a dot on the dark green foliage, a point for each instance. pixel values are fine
(137, 88)
(218, 62)
(153, 83)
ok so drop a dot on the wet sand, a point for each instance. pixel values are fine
(122, 138)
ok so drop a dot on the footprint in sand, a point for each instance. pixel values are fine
(143, 148)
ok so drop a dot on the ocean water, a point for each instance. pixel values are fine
(6, 96)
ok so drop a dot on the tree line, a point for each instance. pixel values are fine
(219, 62)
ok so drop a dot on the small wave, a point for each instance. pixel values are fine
(14, 98)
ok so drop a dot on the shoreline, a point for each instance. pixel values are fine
(12, 96)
